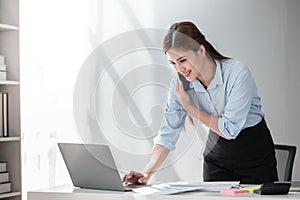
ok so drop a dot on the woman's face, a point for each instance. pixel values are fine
(187, 62)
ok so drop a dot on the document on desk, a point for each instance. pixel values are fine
(180, 187)
(165, 188)
(212, 186)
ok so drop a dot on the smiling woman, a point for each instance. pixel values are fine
(181, 44)
(224, 98)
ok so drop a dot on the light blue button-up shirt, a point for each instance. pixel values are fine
(231, 96)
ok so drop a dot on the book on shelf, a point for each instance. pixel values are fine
(4, 114)
(3, 166)
(1, 60)
(4, 177)
(1, 116)
(2, 68)
(5, 187)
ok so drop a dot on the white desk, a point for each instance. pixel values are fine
(68, 192)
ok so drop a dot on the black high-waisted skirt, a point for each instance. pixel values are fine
(250, 158)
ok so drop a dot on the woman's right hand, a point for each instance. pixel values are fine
(135, 178)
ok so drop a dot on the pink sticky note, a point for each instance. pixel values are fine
(233, 191)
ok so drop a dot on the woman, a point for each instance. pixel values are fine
(223, 96)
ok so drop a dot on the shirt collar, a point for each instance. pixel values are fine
(217, 80)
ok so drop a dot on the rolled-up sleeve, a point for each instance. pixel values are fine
(240, 91)
(173, 121)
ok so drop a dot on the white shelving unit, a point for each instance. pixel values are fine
(10, 147)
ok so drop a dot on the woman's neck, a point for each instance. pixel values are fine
(209, 73)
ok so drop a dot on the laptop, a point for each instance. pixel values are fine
(92, 166)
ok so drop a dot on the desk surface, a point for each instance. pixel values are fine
(68, 192)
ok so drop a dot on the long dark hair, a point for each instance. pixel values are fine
(186, 35)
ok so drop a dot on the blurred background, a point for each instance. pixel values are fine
(83, 79)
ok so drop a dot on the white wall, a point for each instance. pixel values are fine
(290, 133)
(262, 34)
(54, 47)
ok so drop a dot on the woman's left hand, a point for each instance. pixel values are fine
(182, 95)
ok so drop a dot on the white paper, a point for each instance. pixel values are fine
(164, 188)
(180, 187)
(213, 186)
